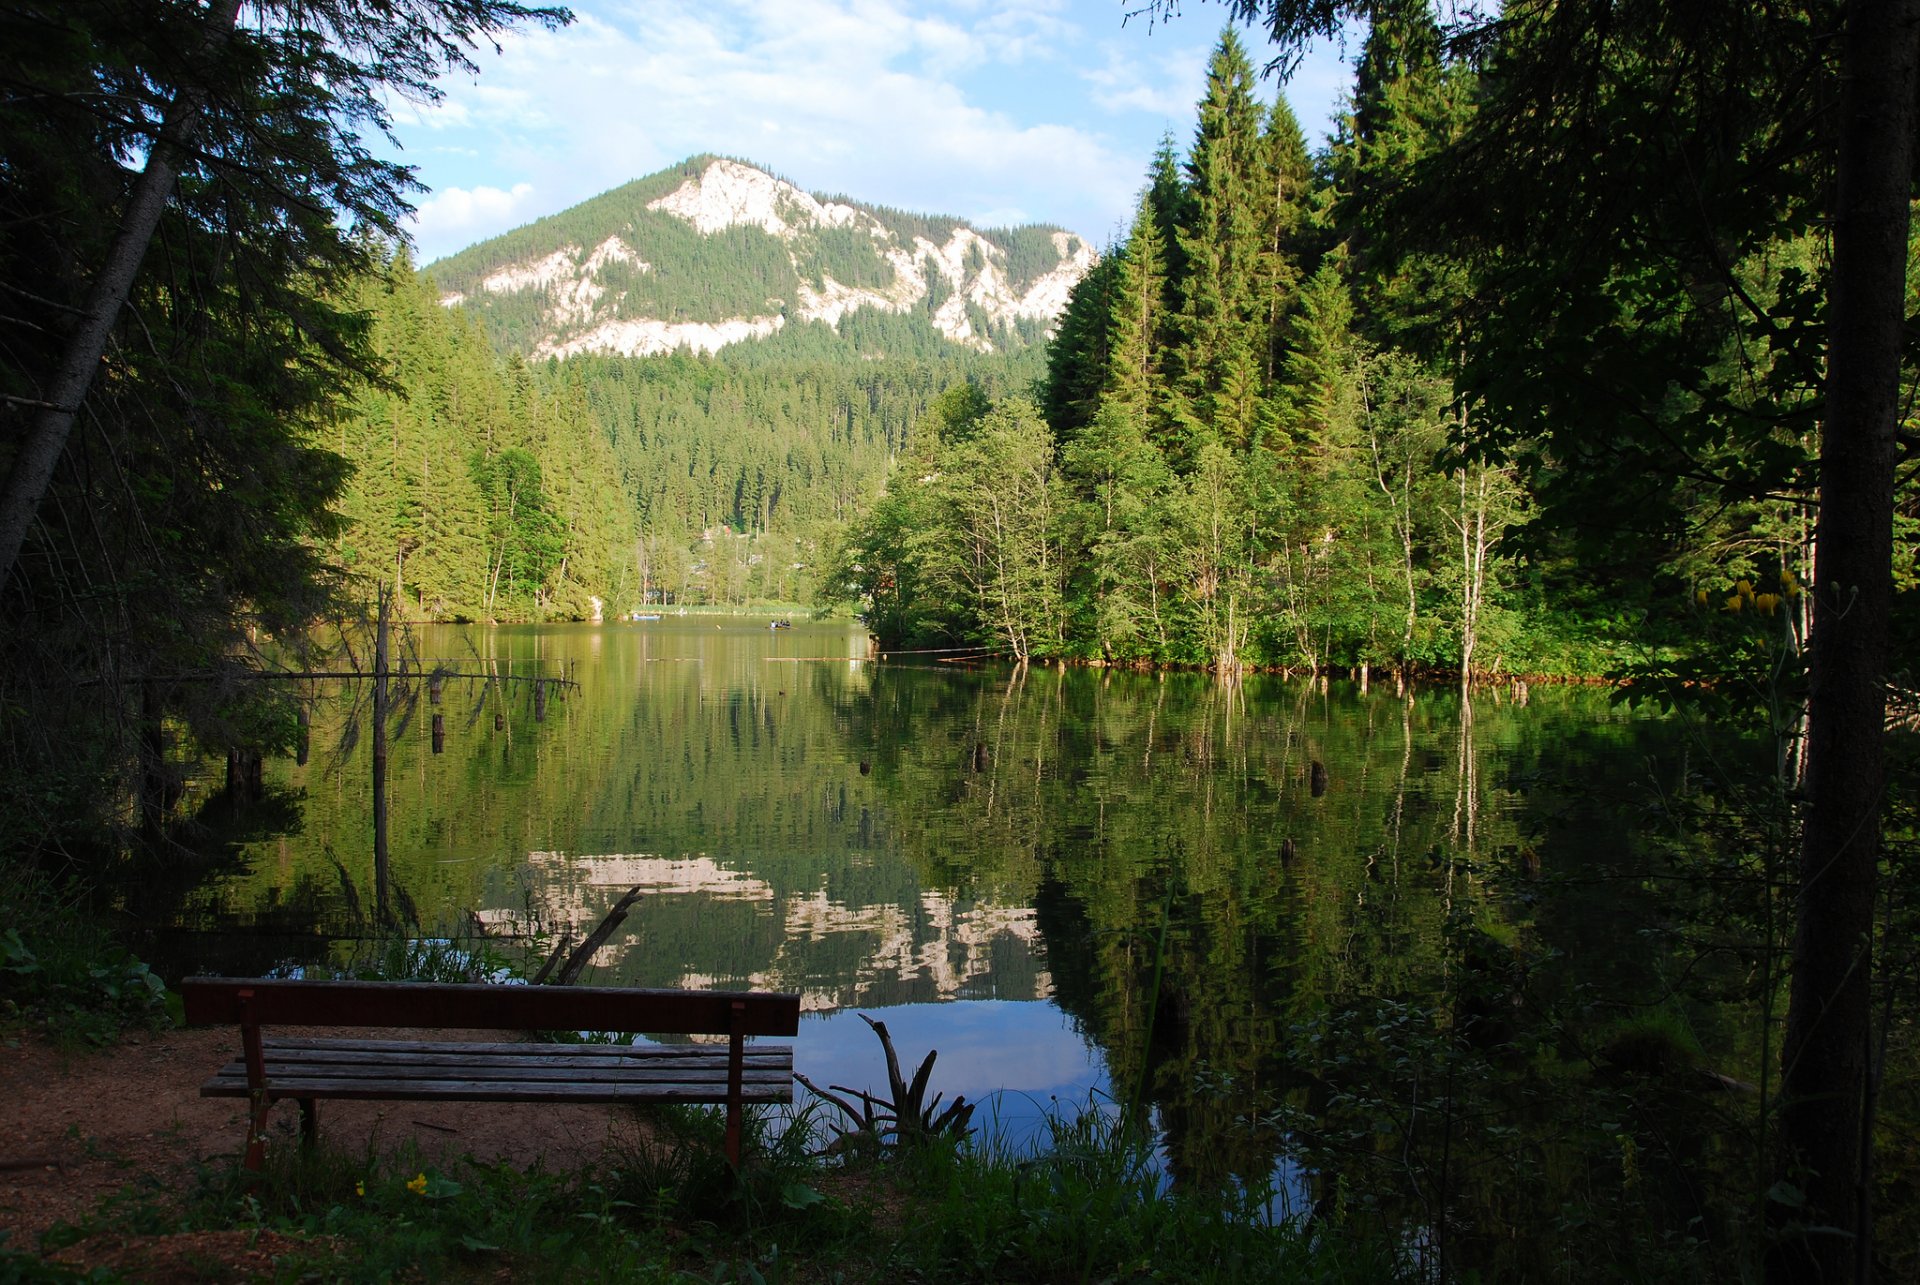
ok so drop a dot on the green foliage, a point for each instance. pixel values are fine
(193, 517)
(969, 539)
(742, 474)
(1092, 1203)
(63, 972)
(478, 493)
(1252, 435)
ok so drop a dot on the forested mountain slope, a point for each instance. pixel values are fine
(679, 391)
(713, 252)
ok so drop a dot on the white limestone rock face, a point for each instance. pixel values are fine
(651, 338)
(728, 194)
(585, 311)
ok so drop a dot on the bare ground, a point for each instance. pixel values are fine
(78, 1126)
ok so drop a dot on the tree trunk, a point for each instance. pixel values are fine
(46, 440)
(1825, 1085)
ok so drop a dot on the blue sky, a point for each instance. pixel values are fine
(999, 111)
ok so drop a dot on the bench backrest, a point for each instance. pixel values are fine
(272, 1002)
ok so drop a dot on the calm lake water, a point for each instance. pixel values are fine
(1067, 881)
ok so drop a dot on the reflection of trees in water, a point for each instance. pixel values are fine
(1375, 921)
(1362, 958)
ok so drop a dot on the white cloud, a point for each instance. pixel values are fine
(943, 106)
(1164, 80)
(454, 216)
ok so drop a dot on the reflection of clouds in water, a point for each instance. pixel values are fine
(1011, 1056)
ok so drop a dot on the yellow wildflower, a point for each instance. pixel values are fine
(1744, 588)
(418, 1185)
(1766, 602)
(359, 1188)
(1733, 602)
(1700, 597)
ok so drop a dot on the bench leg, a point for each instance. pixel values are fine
(736, 1053)
(309, 1122)
(257, 1131)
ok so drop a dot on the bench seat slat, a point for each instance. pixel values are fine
(503, 1091)
(450, 1054)
(277, 1071)
(514, 1048)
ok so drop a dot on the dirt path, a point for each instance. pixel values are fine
(76, 1127)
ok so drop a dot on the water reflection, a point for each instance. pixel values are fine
(1213, 896)
(1022, 1062)
(940, 947)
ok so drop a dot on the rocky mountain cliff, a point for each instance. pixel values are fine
(715, 252)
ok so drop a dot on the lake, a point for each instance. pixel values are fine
(1070, 882)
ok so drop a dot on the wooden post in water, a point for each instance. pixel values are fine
(246, 775)
(439, 733)
(380, 757)
(539, 700)
(306, 731)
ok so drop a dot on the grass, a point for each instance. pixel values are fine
(1089, 1205)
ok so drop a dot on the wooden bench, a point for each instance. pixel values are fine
(306, 1070)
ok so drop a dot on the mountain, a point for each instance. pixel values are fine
(716, 252)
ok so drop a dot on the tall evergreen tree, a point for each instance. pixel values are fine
(1288, 252)
(1137, 319)
(1227, 218)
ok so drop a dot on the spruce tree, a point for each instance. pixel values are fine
(1137, 320)
(1222, 317)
